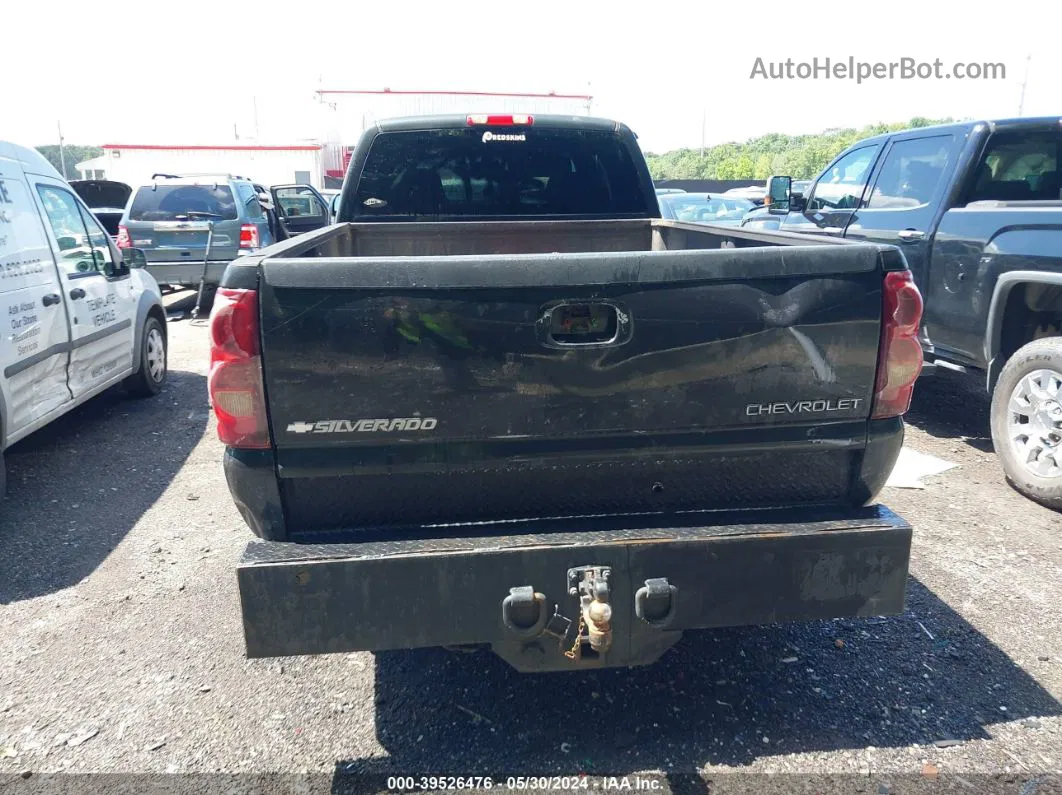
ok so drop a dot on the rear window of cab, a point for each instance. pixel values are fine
(504, 172)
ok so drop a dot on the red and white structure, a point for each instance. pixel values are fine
(335, 122)
(135, 164)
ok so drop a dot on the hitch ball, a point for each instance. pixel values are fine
(597, 615)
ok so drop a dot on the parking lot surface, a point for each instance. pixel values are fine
(122, 648)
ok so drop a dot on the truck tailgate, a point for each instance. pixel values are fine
(421, 389)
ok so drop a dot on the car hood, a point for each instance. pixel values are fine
(101, 194)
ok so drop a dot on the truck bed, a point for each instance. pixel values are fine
(414, 375)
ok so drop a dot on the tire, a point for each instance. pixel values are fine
(148, 380)
(1029, 393)
(3, 477)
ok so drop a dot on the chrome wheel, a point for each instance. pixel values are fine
(156, 355)
(1034, 422)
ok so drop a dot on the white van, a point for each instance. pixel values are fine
(77, 319)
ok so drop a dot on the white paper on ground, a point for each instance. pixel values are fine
(912, 466)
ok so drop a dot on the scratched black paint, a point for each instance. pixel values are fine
(523, 426)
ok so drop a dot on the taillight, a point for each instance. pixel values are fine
(123, 241)
(235, 381)
(502, 121)
(248, 236)
(900, 357)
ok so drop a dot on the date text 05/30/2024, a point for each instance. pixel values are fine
(524, 783)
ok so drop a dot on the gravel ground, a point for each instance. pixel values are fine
(121, 650)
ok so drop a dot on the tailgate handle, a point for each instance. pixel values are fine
(657, 591)
(583, 324)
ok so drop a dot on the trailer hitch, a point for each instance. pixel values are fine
(591, 585)
(525, 615)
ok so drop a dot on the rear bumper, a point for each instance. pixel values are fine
(744, 569)
(186, 273)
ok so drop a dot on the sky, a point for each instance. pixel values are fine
(679, 74)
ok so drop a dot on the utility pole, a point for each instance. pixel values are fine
(62, 153)
(1021, 102)
(704, 123)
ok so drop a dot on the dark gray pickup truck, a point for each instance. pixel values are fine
(977, 210)
(501, 403)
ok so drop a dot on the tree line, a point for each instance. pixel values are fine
(798, 156)
(72, 154)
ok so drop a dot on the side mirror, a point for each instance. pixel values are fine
(779, 191)
(134, 258)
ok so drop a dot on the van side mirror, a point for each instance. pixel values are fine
(779, 191)
(134, 258)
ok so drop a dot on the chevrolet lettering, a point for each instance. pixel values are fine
(802, 406)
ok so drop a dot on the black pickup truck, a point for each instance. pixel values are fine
(501, 403)
(977, 211)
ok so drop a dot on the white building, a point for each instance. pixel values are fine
(135, 164)
(96, 168)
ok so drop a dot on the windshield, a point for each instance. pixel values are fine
(685, 207)
(477, 173)
(174, 202)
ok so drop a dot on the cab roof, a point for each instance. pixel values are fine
(452, 121)
(966, 127)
